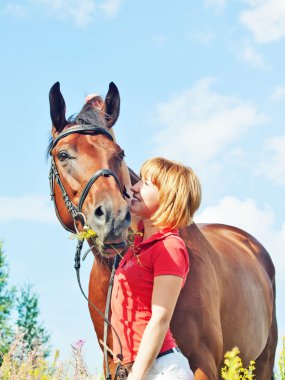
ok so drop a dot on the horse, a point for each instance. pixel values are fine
(229, 296)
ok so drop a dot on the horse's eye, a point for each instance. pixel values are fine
(121, 155)
(62, 156)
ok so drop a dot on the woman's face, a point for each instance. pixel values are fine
(145, 200)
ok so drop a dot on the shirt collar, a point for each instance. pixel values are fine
(155, 237)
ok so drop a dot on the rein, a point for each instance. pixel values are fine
(107, 323)
(77, 214)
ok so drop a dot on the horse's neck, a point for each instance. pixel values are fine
(99, 281)
(103, 264)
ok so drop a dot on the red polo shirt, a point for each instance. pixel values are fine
(164, 253)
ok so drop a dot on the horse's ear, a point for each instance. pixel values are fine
(112, 105)
(57, 108)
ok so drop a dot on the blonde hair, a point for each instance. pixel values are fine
(179, 192)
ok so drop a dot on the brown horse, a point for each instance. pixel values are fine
(229, 297)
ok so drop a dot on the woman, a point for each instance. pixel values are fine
(151, 274)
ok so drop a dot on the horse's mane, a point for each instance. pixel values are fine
(89, 115)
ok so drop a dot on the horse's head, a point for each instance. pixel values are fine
(89, 178)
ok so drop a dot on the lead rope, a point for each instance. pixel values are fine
(120, 369)
(77, 265)
(107, 310)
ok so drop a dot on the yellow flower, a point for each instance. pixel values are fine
(233, 369)
(88, 234)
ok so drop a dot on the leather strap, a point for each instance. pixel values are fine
(99, 173)
(86, 129)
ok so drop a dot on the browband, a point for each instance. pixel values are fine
(81, 129)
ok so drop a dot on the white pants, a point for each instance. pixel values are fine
(174, 366)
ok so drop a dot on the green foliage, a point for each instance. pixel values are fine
(26, 304)
(7, 296)
(34, 334)
(35, 367)
(281, 364)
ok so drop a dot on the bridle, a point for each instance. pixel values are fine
(77, 215)
(76, 211)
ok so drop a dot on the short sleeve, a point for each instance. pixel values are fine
(170, 257)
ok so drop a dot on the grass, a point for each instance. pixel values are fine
(18, 365)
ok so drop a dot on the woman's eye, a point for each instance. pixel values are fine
(62, 156)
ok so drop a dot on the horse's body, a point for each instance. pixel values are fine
(229, 296)
(227, 301)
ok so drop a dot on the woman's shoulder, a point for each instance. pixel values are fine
(174, 239)
(171, 257)
(171, 246)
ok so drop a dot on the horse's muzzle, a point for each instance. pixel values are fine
(112, 249)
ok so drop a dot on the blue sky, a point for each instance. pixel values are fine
(200, 82)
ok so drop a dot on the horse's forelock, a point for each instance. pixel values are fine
(92, 113)
(95, 102)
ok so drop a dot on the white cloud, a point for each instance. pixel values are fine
(272, 166)
(265, 19)
(253, 57)
(111, 7)
(258, 222)
(278, 94)
(79, 11)
(16, 10)
(201, 123)
(32, 207)
(242, 214)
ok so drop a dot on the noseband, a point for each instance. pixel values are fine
(76, 211)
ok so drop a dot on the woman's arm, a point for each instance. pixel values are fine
(166, 290)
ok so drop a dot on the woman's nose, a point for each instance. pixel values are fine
(135, 187)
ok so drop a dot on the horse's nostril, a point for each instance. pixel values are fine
(128, 217)
(99, 211)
